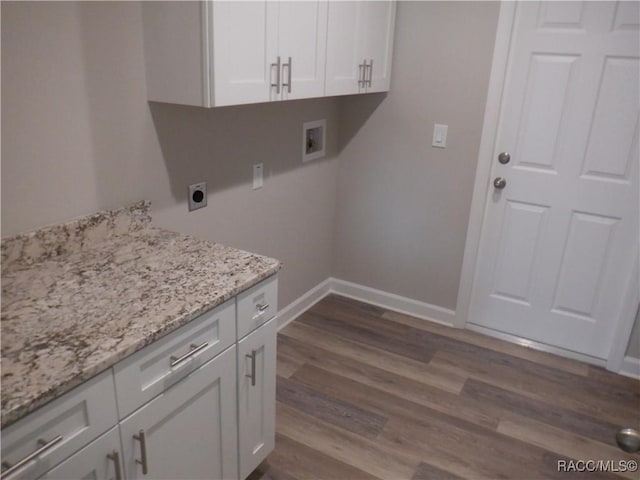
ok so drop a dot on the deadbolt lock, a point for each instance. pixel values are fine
(504, 158)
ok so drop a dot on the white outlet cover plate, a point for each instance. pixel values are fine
(322, 125)
(439, 136)
(258, 176)
(197, 187)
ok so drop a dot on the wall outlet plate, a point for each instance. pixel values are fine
(440, 136)
(258, 176)
(197, 196)
(314, 140)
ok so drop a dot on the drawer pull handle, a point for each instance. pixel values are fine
(115, 456)
(262, 307)
(43, 448)
(252, 376)
(143, 451)
(194, 349)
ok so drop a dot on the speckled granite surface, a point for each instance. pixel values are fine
(78, 298)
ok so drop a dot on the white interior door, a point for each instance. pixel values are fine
(558, 240)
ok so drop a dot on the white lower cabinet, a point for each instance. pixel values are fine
(189, 431)
(100, 460)
(256, 396)
(197, 404)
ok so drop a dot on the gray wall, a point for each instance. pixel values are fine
(78, 136)
(404, 206)
(633, 349)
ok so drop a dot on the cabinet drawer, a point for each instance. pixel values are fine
(155, 368)
(67, 424)
(257, 305)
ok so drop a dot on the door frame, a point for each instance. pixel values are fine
(481, 191)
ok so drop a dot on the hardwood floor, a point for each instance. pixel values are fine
(366, 393)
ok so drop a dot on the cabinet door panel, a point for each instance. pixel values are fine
(190, 430)
(244, 47)
(303, 37)
(91, 462)
(256, 402)
(377, 41)
(173, 41)
(343, 48)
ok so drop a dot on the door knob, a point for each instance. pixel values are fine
(504, 158)
(499, 183)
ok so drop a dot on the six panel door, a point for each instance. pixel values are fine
(558, 240)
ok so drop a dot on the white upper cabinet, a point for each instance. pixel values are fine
(218, 53)
(359, 47)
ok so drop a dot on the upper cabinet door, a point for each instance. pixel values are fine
(359, 46)
(177, 68)
(243, 51)
(344, 45)
(377, 43)
(302, 44)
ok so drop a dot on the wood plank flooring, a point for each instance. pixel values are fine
(365, 393)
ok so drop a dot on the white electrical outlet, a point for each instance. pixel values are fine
(197, 196)
(258, 176)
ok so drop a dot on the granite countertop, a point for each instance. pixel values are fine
(79, 297)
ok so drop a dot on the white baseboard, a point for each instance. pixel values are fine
(630, 367)
(365, 294)
(391, 301)
(303, 303)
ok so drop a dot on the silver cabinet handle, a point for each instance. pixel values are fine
(194, 349)
(288, 84)
(370, 73)
(143, 451)
(261, 308)
(277, 84)
(44, 446)
(115, 456)
(360, 75)
(252, 375)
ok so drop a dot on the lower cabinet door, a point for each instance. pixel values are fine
(189, 431)
(256, 396)
(100, 460)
